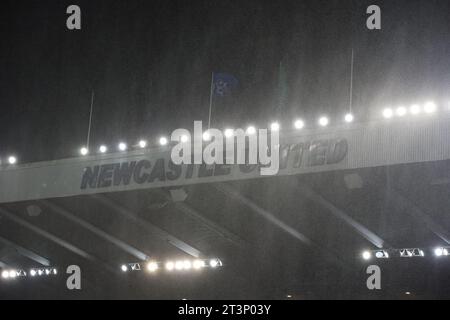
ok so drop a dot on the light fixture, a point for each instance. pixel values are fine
(349, 117)
(179, 265)
(251, 130)
(84, 151)
(213, 263)
(366, 255)
(388, 113)
(381, 254)
(275, 126)
(429, 107)
(163, 141)
(184, 138)
(228, 133)
(323, 121)
(124, 268)
(32, 272)
(142, 144)
(103, 149)
(401, 111)
(299, 124)
(5, 274)
(198, 264)
(12, 274)
(122, 146)
(414, 109)
(12, 160)
(170, 266)
(152, 266)
(206, 136)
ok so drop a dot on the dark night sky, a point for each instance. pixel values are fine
(150, 62)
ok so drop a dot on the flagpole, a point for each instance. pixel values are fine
(90, 120)
(211, 93)
(351, 84)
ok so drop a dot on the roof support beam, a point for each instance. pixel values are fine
(97, 231)
(161, 234)
(25, 252)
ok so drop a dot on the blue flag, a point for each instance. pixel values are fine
(224, 83)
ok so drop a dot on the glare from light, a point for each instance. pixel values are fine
(213, 263)
(163, 141)
(388, 113)
(349, 117)
(32, 273)
(124, 268)
(198, 264)
(429, 107)
(401, 111)
(275, 126)
(206, 136)
(122, 146)
(103, 149)
(152, 266)
(55, 272)
(40, 272)
(184, 138)
(12, 160)
(251, 130)
(187, 265)
(366, 255)
(229, 133)
(142, 144)
(84, 151)
(324, 121)
(439, 252)
(47, 271)
(12, 274)
(414, 109)
(299, 124)
(5, 274)
(170, 266)
(179, 265)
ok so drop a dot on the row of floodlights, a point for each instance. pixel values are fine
(298, 124)
(178, 265)
(13, 274)
(404, 253)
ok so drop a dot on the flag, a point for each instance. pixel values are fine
(224, 84)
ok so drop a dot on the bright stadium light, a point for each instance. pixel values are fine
(198, 264)
(206, 136)
(55, 272)
(142, 144)
(179, 265)
(152, 266)
(324, 121)
(122, 146)
(349, 118)
(12, 160)
(414, 109)
(187, 265)
(213, 263)
(381, 254)
(163, 141)
(12, 274)
(251, 130)
(275, 126)
(184, 138)
(103, 149)
(366, 255)
(84, 151)
(170, 266)
(229, 133)
(401, 111)
(124, 268)
(5, 274)
(299, 124)
(32, 272)
(388, 113)
(439, 252)
(429, 107)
